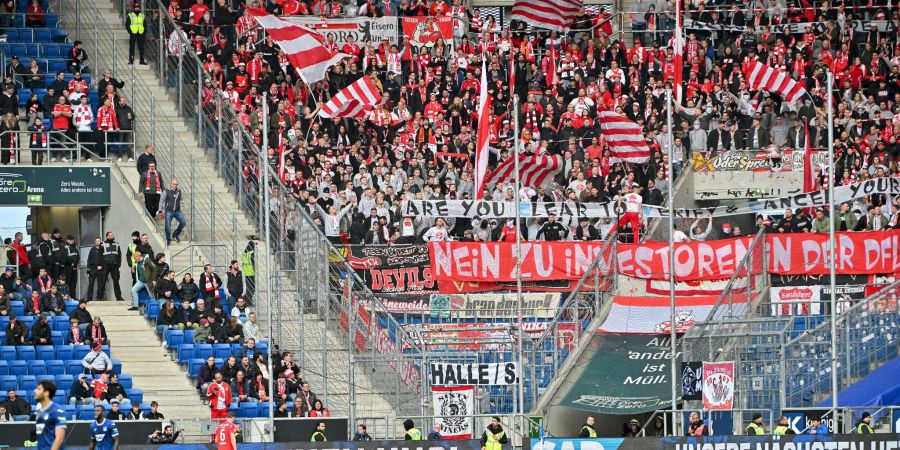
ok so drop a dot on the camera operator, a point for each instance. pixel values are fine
(166, 436)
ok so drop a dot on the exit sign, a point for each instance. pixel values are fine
(34, 199)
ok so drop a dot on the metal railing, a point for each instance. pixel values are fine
(48, 147)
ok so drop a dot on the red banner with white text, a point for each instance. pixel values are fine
(859, 253)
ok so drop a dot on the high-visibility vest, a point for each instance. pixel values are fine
(247, 264)
(780, 430)
(492, 443)
(414, 434)
(753, 428)
(137, 23)
(864, 426)
(131, 248)
(590, 430)
(318, 437)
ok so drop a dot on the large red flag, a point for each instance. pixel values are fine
(809, 172)
(482, 152)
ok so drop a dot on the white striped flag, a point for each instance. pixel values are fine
(534, 170)
(550, 14)
(625, 138)
(354, 100)
(769, 79)
(482, 152)
(678, 43)
(304, 47)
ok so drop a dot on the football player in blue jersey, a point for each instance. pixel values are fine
(50, 420)
(104, 433)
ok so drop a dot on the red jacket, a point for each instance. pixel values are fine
(216, 391)
(21, 253)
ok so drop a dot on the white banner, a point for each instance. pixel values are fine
(652, 315)
(567, 210)
(812, 299)
(361, 28)
(453, 409)
(535, 305)
(492, 374)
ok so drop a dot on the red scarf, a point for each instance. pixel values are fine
(96, 334)
(76, 334)
(156, 178)
(281, 388)
(45, 287)
(36, 303)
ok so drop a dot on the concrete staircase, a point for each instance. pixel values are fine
(180, 155)
(134, 343)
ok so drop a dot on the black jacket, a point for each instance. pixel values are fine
(81, 315)
(553, 231)
(235, 283)
(40, 330)
(95, 259)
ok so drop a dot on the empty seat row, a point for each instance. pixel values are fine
(37, 50)
(46, 352)
(49, 367)
(187, 352)
(39, 35)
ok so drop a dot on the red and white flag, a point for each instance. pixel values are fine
(534, 170)
(625, 138)
(304, 47)
(355, 100)
(678, 43)
(482, 152)
(809, 172)
(769, 79)
(549, 14)
(718, 385)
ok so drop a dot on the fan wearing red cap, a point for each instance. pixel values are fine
(97, 361)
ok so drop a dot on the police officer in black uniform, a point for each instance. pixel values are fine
(95, 269)
(553, 230)
(70, 260)
(39, 254)
(112, 260)
(57, 260)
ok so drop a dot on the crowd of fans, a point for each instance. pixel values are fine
(352, 175)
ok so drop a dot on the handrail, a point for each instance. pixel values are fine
(742, 268)
(845, 313)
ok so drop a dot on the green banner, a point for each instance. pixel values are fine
(623, 374)
(54, 186)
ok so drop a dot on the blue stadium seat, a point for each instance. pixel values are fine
(117, 366)
(203, 351)
(152, 310)
(44, 352)
(185, 352)
(58, 337)
(125, 380)
(8, 353)
(69, 411)
(56, 367)
(174, 338)
(58, 35)
(86, 414)
(26, 353)
(64, 381)
(194, 367)
(70, 304)
(135, 395)
(189, 335)
(27, 383)
(43, 35)
(59, 323)
(222, 350)
(4, 367)
(80, 350)
(17, 307)
(8, 382)
(263, 409)
(65, 352)
(74, 367)
(37, 367)
(248, 410)
(51, 20)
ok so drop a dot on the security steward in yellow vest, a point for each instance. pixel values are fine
(134, 23)
(755, 427)
(494, 436)
(412, 433)
(248, 267)
(588, 431)
(783, 427)
(865, 424)
(319, 434)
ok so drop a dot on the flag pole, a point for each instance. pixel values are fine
(267, 218)
(672, 324)
(518, 181)
(831, 244)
